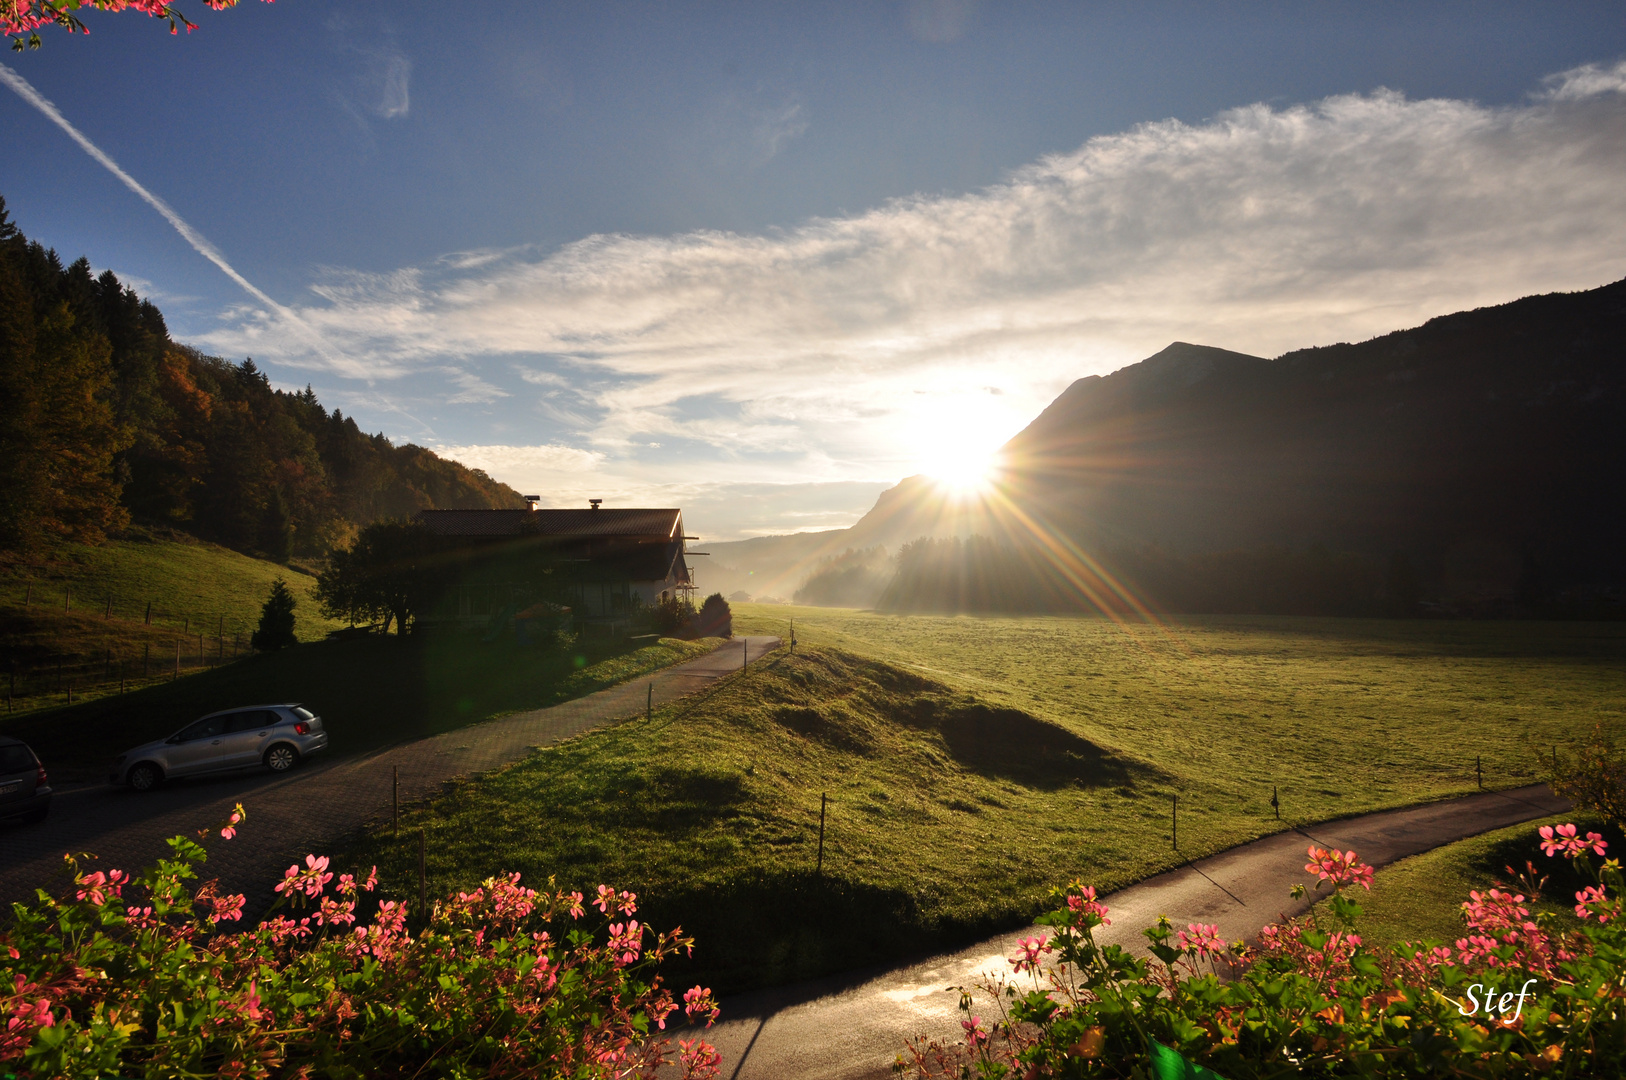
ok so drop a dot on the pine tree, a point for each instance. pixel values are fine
(276, 619)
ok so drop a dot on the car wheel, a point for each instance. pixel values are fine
(145, 777)
(281, 758)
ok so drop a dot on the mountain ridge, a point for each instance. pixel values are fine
(1473, 445)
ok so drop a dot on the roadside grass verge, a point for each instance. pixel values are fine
(79, 618)
(1420, 898)
(370, 691)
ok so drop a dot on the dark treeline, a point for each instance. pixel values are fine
(104, 419)
(855, 578)
(980, 575)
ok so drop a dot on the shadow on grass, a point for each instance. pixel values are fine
(371, 692)
(787, 927)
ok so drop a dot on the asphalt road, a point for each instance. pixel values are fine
(852, 1027)
(323, 801)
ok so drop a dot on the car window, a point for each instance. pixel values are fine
(252, 720)
(303, 713)
(203, 729)
(15, 758)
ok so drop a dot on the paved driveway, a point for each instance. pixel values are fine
(851, 1027)
(320, 804)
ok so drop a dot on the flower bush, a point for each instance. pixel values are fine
(143, 976)
(1515, 996)
(20, 17)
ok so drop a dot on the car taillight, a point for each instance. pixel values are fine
(40, 779)
(302, 728)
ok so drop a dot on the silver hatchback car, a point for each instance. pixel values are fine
(277, 737)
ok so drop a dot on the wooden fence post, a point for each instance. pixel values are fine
(67, 599)
(149, 613)
(109, 613)
(823, 798)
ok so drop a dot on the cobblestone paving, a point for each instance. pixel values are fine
(323, 802)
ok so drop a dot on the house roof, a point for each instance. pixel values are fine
(662, 524)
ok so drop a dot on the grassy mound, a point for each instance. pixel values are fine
(946, 818)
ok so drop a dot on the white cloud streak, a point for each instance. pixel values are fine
(1261, 230)
(25, 90)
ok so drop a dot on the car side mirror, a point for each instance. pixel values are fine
(173, 739)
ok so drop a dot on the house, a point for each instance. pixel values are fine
(604, 564)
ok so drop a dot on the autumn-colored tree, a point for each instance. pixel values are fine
(59, 435)
(104, 418)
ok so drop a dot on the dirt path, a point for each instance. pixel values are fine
(852, 1027)
(320, 804)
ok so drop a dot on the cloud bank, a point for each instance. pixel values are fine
(852, 346)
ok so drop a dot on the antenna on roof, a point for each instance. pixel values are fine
(594, 503)
(531, 501)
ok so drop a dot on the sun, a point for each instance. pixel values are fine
(962, 469)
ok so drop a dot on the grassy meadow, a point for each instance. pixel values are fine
(1420, 898)
(86, 609)
(971, 764)
(1342, 715)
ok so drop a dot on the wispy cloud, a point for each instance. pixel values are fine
(374, 81)
(1260, 230)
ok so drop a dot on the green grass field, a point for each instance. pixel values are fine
(1343, 715)
(1420, 898)
(973, 763)
(80, 620)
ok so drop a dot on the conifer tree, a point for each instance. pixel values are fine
(276, 630)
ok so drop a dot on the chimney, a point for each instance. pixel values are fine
(594, 503)
(531, 501)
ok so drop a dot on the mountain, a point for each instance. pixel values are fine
(1483, 451)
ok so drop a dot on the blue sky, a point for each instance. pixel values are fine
(763, 260)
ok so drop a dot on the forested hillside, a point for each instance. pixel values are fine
(104, 419)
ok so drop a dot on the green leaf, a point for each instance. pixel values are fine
(1172, 1065)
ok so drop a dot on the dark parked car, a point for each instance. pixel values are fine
(25, 791)
(276, 737)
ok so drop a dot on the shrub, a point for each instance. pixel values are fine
(1313, 1000)
(671, 614)
(1596, 779)
(129, 977)
(276, 629)
(715, 619)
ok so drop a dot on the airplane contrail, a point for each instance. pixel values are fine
(199, 242)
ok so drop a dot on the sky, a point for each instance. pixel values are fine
(761, 261)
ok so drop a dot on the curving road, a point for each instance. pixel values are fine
(851, 1027)
(321, 803)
